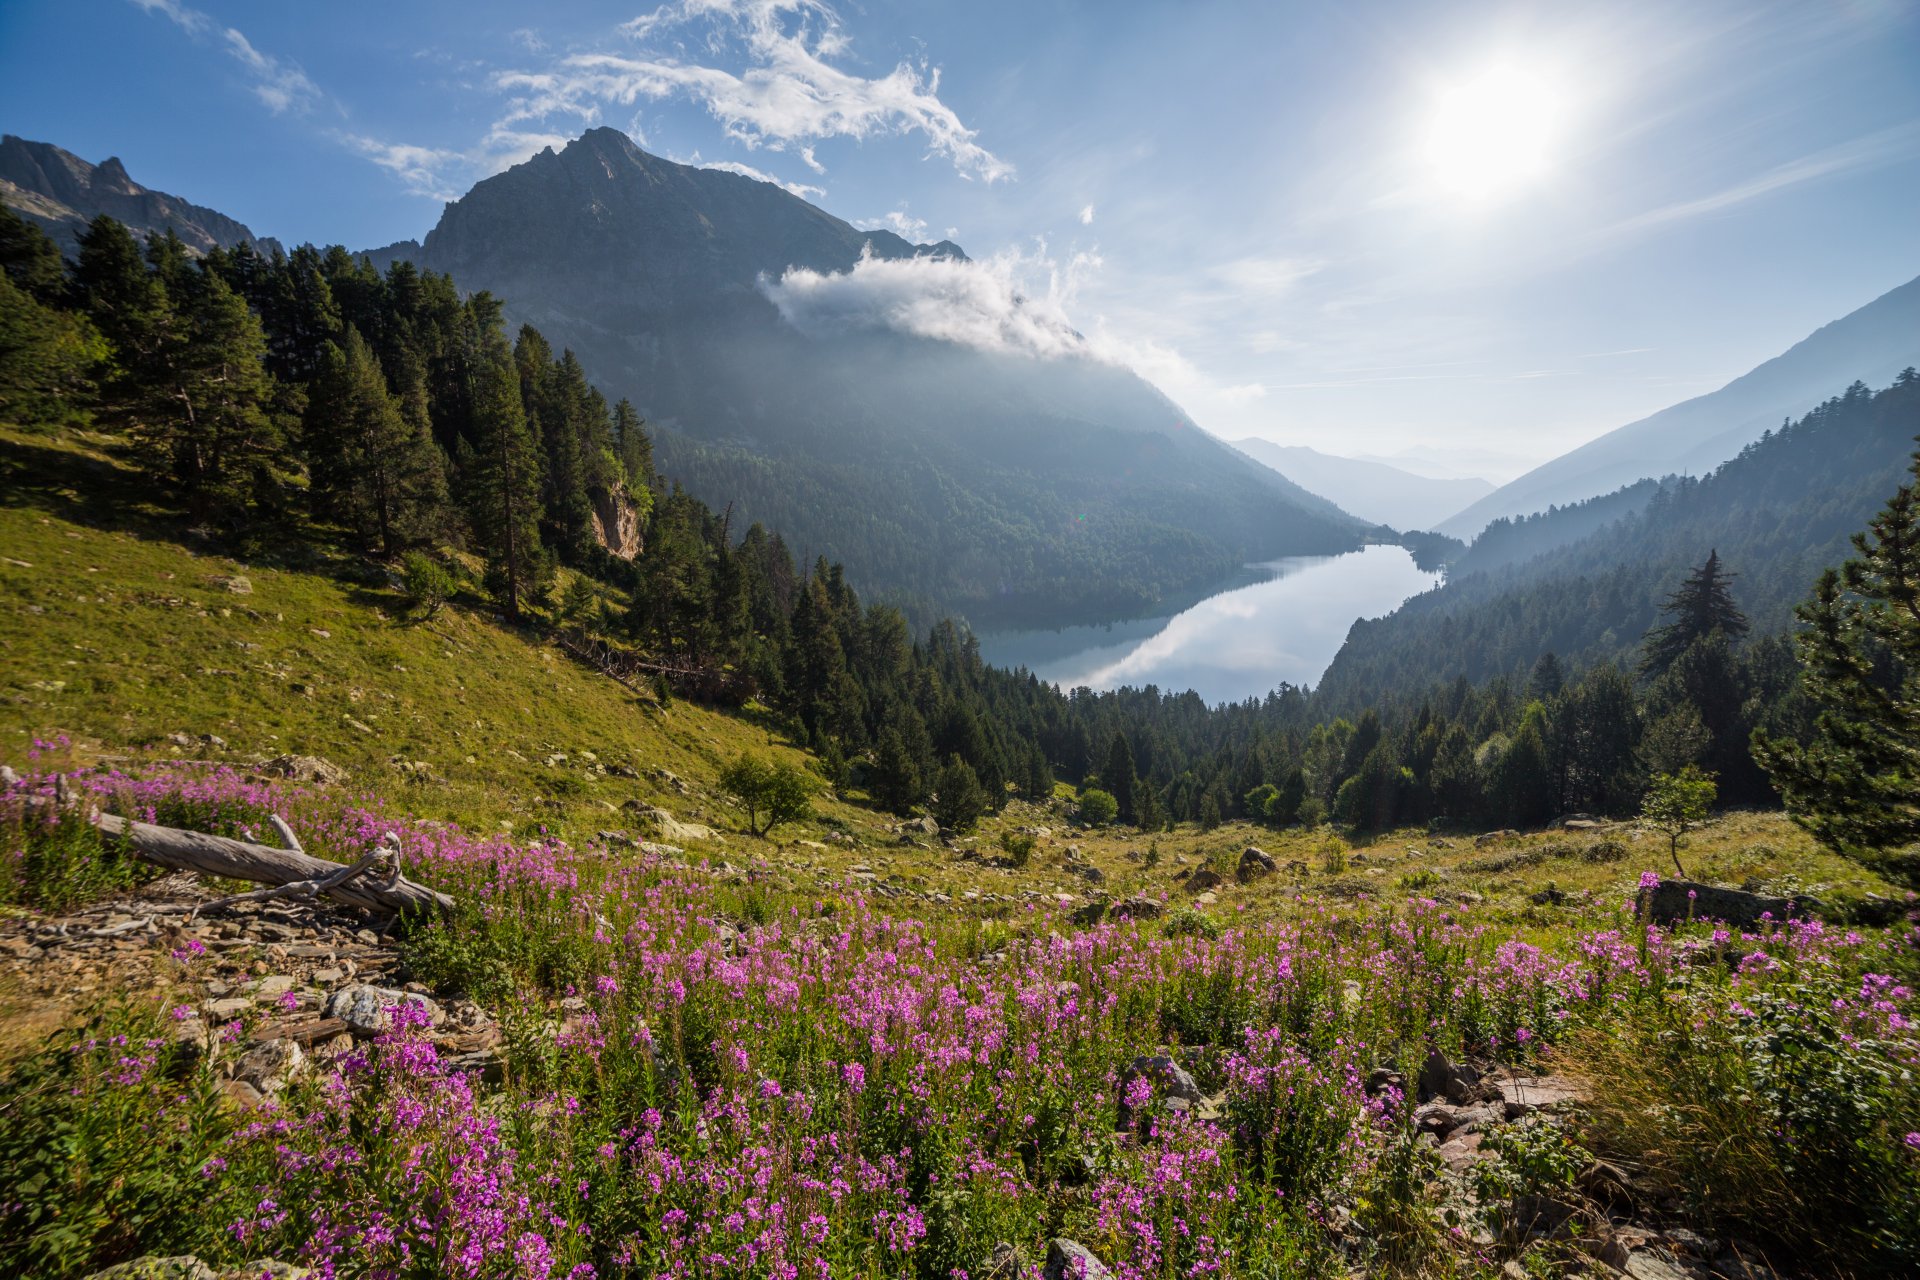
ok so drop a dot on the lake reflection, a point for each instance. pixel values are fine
(1235, 645)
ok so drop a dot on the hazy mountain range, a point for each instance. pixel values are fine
(1870, 345)
(1369, 489)
(61, 193)
(892, 405)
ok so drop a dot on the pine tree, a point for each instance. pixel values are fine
(1703, 604)
(959, 799)
(372, 468)
(30, 259)
(202, 399)
(635, 446)
(1855, 783)
(1118, 780)
(503, 478)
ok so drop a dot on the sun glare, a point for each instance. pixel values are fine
(1494, 134)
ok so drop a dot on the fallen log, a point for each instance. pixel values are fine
(301, 873)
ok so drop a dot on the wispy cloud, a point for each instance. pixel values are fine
(423, 170)
(1866, 152)
(788, 93)
(280, 85)
(1086, 216)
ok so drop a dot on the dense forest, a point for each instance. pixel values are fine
(1778, 514)
(307, 396)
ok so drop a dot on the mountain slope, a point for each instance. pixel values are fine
(1870, 345)
(1371, 490)
(61, 193)
(1002, 484)
(1778, 514)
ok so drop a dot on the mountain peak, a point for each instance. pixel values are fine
(61, 193)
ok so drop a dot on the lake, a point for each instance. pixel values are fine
(1240, 643)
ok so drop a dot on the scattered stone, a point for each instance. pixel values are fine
(232, 1007)
(273, 985)
(1090, 913)
(265, 1269)
(305, 769)
(1462, 1152)
(238, 584)
(1135, 908)
(1202, 879)
(1070, 1260)
(1494, 837)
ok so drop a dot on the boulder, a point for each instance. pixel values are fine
(269, 1065)
(1202, 879)
(1539, 1093)
(670, 828)
(1254, 863)
(1675, 901)
(1135, 908)
(1440, 1078)
(1071, 1260)
(1090, 913)
(368, 1010)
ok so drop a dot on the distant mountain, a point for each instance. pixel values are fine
(959, 475)
(1870, 345)
(1781, 511)
(61, 193)
(1371, 490)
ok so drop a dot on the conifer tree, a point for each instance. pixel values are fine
(1855, 783)
(202, 400)
(1703, 604)
(503, 478)
(376, 471)
(1118, 780)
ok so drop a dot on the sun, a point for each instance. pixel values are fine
(1495, 134)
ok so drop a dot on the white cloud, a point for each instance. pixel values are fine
(789, 92)
(421, 169)
(900, 222)
(282, 86)
(806, 154)
(1086, 216)
(529, 39)
(1012, 302)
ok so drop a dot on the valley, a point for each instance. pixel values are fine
(753, 640)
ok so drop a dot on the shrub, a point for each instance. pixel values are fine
(1097, 807)
(1018, 848)
(427, 583)
(1190, 922)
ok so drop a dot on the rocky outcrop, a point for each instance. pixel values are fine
(1677, 901)
(616, 521)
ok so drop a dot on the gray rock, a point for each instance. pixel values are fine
(367, 1010)
(1537, 1093)
(1203, 879)
(269, 1065)
(1440, 1078)
(182, 1267)
(1254, 863)
(1675, 901)
(1135, 908)
(265, 1269)
(305, 769)
(1168, 1076)
(1071, 1260)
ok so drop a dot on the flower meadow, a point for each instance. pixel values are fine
(709, 1076)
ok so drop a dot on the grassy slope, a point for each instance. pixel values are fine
(119, 635)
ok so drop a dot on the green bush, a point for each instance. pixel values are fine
(1097, 807)
(1018, 848)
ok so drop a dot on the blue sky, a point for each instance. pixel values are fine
(1368, 227)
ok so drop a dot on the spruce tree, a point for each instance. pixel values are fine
(202, 403)
(1703, 604)
(503, 478)
(1118, 780)
(373, 469)
(1854, 783)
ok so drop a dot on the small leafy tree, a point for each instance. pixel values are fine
(426, 582)
(772, 793)
(1677, 803)
(1097, 807)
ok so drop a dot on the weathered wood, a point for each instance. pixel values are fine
(243, 860)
